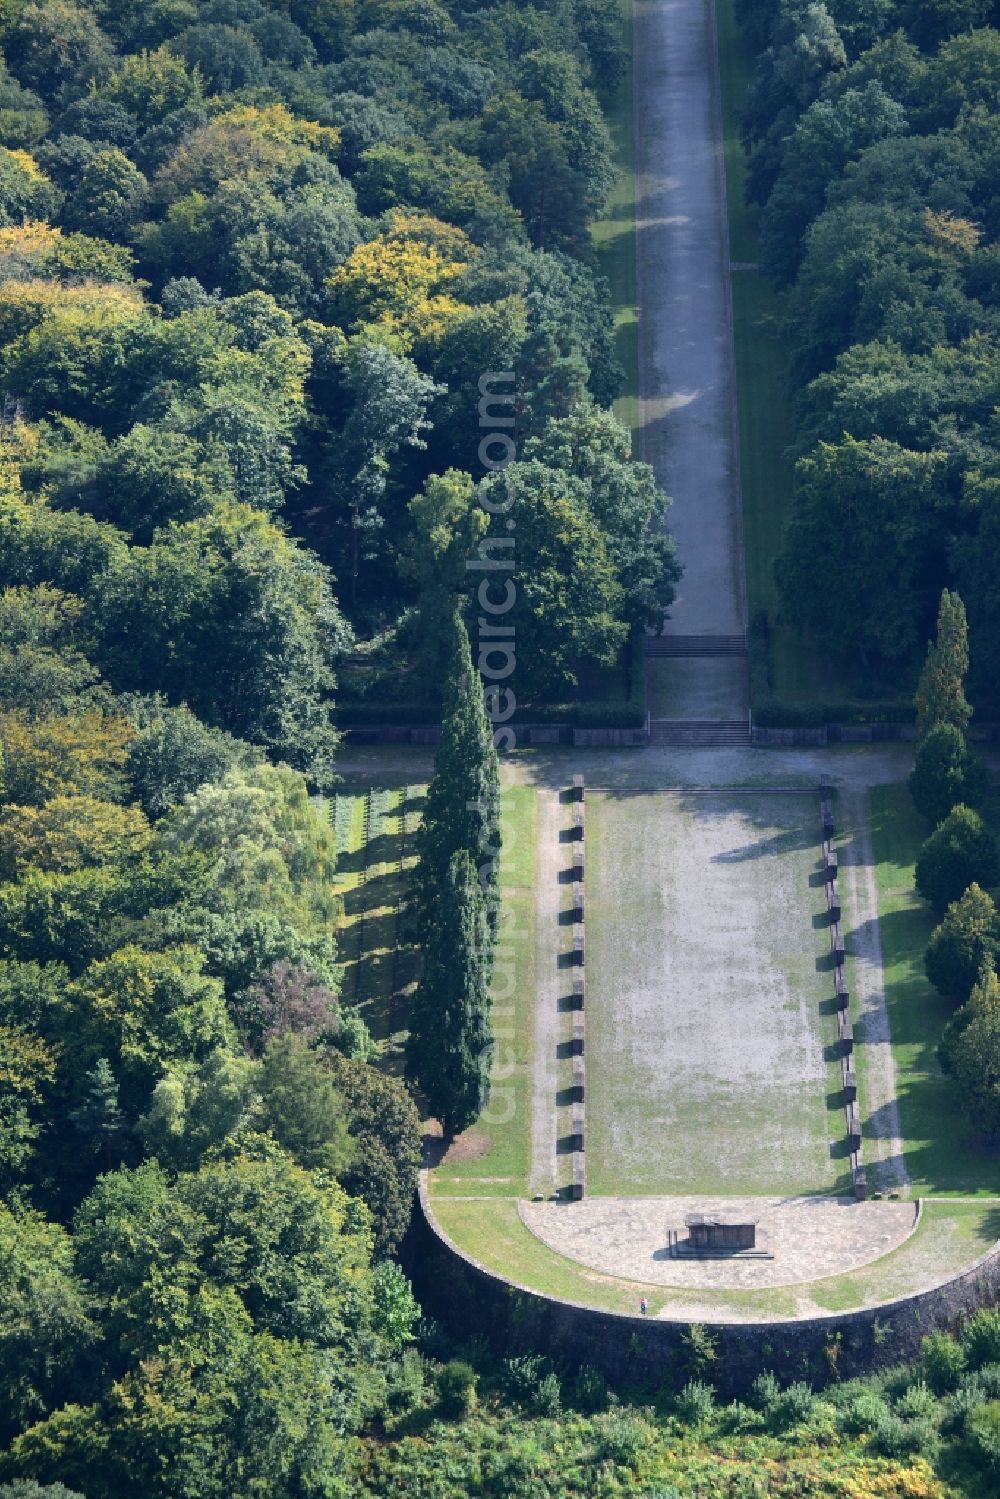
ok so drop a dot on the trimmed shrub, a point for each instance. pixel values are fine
(959, 853)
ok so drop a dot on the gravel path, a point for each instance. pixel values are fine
(659, 765)
(544, 1071)
(706, 1024)
(686, 373)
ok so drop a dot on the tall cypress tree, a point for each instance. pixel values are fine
(450, 1046)
(463, 800)
(941, 690)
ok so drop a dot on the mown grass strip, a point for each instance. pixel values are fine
(493, 1157)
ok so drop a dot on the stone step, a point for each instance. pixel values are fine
(696, 645)
(708, 734)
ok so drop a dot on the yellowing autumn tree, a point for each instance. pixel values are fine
(397, 281)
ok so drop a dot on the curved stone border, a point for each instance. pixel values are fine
(695, 1286)
(630, 1349)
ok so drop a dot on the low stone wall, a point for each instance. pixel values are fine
(425, 733)
(643, 1352)
(527, 734)
(612, 738)
(850, 733)
(762, 738)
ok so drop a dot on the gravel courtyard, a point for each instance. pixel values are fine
(709, 997)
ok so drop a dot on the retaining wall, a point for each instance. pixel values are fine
(528, 733)
(636, 1351)
(851, 733)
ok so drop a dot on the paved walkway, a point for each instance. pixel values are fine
(809, 1237)
(686, 370)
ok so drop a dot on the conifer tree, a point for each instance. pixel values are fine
(450, 1047)
(970, 1051)
(463, 800)
(99, 1116)
(946, 772)
(940, 694)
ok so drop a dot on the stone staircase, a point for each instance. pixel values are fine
(696, 645)
(700, 733)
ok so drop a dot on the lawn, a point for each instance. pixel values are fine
(709, 998)
(613, 236)
(939, 1155)
(949, 1236)
(373, 828)
(493, 1156)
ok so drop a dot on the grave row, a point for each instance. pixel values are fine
(578, 1181)
(845, 1027)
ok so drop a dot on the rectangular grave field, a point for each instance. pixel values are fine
(710, 1015)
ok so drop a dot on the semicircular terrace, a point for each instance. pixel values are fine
(797, 1239)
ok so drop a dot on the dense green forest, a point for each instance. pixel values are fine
(873, 137)
(255, 260)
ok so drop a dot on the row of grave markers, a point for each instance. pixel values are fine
(578, 1089)
(845, 1028)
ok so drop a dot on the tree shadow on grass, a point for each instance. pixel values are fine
(378, 890)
